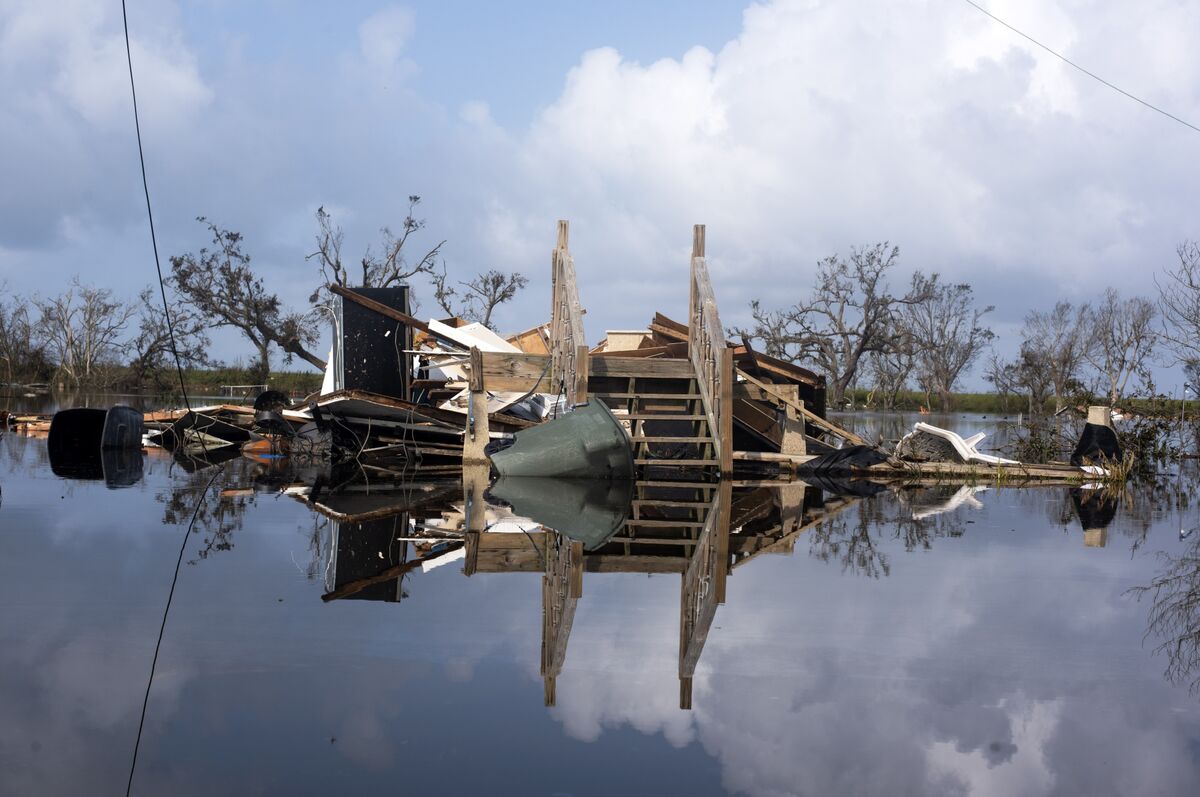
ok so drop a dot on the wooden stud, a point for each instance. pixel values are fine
(476, 433)
(697, 240)
(725, 402)
(580, 388)
(475, 377)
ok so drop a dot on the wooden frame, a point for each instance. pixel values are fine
(566, 325)
(712, 359)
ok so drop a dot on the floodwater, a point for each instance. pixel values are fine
(915, 641)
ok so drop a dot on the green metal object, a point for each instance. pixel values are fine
(586, 443)
(588, 510)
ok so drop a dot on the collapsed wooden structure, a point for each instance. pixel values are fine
(688, 397)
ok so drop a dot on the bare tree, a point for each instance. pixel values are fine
(21, 348)
(946, 330)
(82, 327)
(1122, 339)
(850, 314)
(890, 370)
(1179, 303)
(221, 284)
(477, 299)
(474, 300)
(1054, 345)
(385, 268)
(153, 360)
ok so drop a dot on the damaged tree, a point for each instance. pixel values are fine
(850, 315)
(153, 359)
(388, 267)
(81, 328)
(1179, 303)
(473, 300)
(21, 347)
(1122, 340)
(946, 333)
(479, 297)
(1053, 347)
(220, 284)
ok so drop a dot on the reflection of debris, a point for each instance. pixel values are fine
(963, 496)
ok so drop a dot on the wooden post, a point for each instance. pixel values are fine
(475, 435)
(580, 388)
(698, 240)
(1100, 416)
(725, 402)
(793, 440)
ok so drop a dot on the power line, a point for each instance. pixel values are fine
(182, 389)
(1069, 62)
(162, 290)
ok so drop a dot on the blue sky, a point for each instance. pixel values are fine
(794, 130)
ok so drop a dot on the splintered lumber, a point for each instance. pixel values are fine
(809, 415)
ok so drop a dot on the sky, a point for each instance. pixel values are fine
(793, 130)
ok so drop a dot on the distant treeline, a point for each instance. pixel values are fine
(891, 350)
(88, 337)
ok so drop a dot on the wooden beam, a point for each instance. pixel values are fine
(518, 371)
(725, 401)
(580, 388)
(978, 471)
(388, 312)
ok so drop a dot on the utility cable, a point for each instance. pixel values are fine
(162, 290)
(1069, 62)
(163, 625)
(182, 389)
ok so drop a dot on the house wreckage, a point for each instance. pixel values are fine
(663, 450)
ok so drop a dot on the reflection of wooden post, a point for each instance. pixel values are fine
(703, 588)
(562, 585)
(475, 437)
(1095, 538)
(475, 481)
(791, 507)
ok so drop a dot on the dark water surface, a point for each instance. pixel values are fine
(993, 648)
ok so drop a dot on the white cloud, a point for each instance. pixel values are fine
(384, 35)
(824, 125)
(817, 126)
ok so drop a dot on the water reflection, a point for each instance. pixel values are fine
(996, 651)
(1174, 619)
(703, 531)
